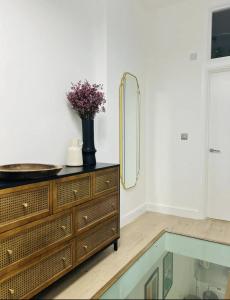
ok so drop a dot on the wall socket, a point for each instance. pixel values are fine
(193, 56)
(184, 136)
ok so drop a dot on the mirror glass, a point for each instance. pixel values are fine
(129, 130)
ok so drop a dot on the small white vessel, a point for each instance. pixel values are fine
(74, 155)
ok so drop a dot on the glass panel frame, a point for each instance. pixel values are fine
(204, 251)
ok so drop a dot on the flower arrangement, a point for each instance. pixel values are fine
(87, 99)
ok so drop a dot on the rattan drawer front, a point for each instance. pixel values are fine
(90, 242)
(31, 279)
(95, 210)
(70, 192)
(33, 238)
(106, 181)
(23, 204)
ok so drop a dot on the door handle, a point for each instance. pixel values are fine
(214, 150)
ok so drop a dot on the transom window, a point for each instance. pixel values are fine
(221, 33)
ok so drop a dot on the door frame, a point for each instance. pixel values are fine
(211, 67)
(214, 69)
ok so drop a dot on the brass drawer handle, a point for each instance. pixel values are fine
(85, 247)
(11, 291)
(75, 193)
(108, 182)
(114, 230)
(10, 252)
(25, 205)
(63, 228)
(85, 218)
(64, 259)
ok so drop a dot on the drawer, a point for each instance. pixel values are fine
(95, 239)
(23, 204)
(29, 281)
(71, 191)
(106, 181)
(94, 211)
(15, 245)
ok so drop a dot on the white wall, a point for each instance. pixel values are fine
(139, 290)
(45, 45)
(177, 104)
(184, 281)
(126, 42)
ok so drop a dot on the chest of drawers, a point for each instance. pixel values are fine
(48, 228)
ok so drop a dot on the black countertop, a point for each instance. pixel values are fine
(66, 171)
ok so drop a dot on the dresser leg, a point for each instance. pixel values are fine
(115, 245)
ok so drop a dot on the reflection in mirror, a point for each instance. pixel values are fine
(129, 130)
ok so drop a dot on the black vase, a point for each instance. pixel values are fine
(88, 149)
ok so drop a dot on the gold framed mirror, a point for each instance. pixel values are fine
(129, 130)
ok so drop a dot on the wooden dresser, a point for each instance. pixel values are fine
(47, 228)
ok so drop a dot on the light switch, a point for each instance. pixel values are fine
(184, 136)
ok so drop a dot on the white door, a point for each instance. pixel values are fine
(219, 147)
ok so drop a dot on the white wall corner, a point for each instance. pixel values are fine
(163, 209)
(133, 215)
(175, 211)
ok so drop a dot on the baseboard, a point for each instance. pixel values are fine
(134, 214)
(175, 211)
(160, 208)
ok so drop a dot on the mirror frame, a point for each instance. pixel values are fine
(121, 127)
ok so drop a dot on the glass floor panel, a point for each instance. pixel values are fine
(176, 267)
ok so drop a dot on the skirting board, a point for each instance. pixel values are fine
(134, 214)
(163, 209)
(175, 211)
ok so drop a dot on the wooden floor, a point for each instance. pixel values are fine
(101, 271)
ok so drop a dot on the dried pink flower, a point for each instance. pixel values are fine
(87, 99)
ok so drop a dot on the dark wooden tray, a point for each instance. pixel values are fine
(28, 171)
